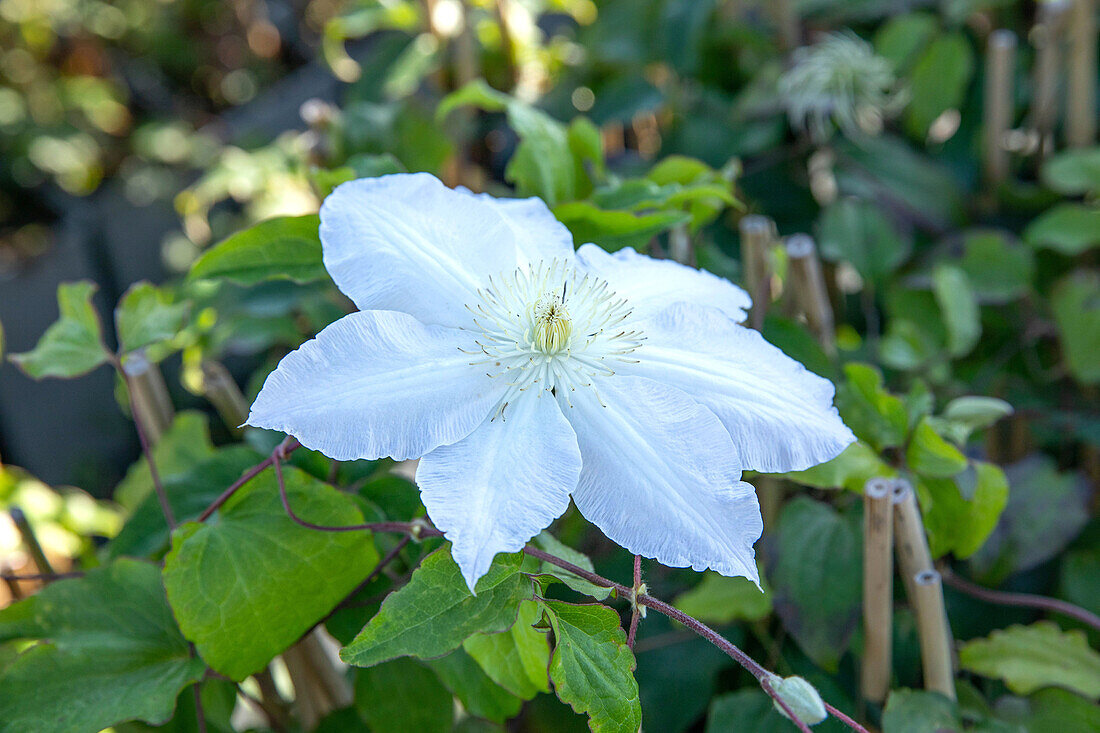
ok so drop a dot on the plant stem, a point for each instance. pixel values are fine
(634, 613)
(200, 714)
(1021, 600)
(288, 446)
(30, 541)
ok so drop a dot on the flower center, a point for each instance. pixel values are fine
(547, 328)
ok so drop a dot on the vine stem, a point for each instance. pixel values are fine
(1022, 600)
(634, 611)
(420, 528)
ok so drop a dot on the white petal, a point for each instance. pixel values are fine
(376, 384)
(504, 483)
(779, 414)
(408, 243)
(539, 235)
(661, 479)
(651, 285)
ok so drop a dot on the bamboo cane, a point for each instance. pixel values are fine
(1047, 36)
(934, 633)
(222, 392)
(757, 235)
(807, 284)
(999, 82)
(679, 244)
(149, 400)
(878, 589)
(1081, 92)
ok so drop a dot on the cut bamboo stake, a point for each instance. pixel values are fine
(149, 400)
(915, 562)
(336, 686)
(1081, 91)
(273, 704)
(1000, 57)
(878, 589)
(757, 235)
(807, 284)
(309, 707)
(934, 633)
(222, 391)
(679, 244)
(790, 32)
(1047, 37)
(30, 541)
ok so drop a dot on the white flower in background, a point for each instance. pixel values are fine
(839, 80)
(522, 373)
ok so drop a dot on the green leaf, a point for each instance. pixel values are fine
(1067, 228)
(1029, 658)
(999, 271)
(938, 82)
(1056, 710)
(916, 711)
(474, 689)
(960, 513)
(592, 667)
(1076, 306)
(816, 578)
(1073, 172)
(858, 232)
(229, 580)
(930, 455)
(721, 600)
(615, 229)
(516, 659)
(73, 345)
(435, 611)
(1077, 579)
(873, 414)
(851, 470)
(185, 443)
(958, 307)
(146, 315)
(1046, 510)
(743, 711)
(549, 543)
(902, 37)
(287, 247)
(108, 651)
(403, 695)
(963, 415)
(190, 491)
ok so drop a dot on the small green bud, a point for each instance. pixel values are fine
(801, 697)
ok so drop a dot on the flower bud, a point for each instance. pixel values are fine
(802, 698)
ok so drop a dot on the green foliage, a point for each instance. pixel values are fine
(435, 612)
(287, 247)
(1029, 658)
(816, 593)
(107, 650)
(549, 543)
(873, 414)
(1076, 305)
(938, 81)
(858, 232)
(1067, 228)
(228, 579)
(916, 711)
(477, 692)
(960, 513)
(74, 344)
(998, 270)
(516, 659)
(930, 455)
(719, 600)
(959, 307)
(403, 694)
(745, 710)
(1074, 172)
(146, 315)
(592, 667)
(851, 470)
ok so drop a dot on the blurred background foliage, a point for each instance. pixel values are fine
(941, 161)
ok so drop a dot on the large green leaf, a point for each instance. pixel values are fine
(816, 578)
(1053, 709)
(873, 414)
(1076, 305)
(916, 711)
(73, 345)
(516, 659)
(249, 582)
(475, 690)
(1029, 658)
(185, 443)
(146, 315)
(930, 455)
(435, 611)
(960, 513)
(902, 37)
(108, 651)
(1067, 228)
(859, 233)
(720, 600)
(592, 667)
(403, 695)
(938, 81)
(1074, 172)
(851, 470)
(614, 229)
(959, 309)
(287, 247)
(999, 270)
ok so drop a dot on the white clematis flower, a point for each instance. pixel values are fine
(523, 374)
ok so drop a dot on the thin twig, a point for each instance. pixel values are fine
(200, 714)
(1021, 600)
(634, 612)
(30, 540)
(40, 576)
